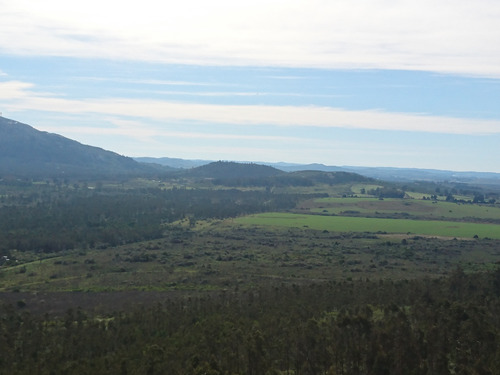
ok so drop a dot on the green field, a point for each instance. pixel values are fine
(374, 225)
(412, 207)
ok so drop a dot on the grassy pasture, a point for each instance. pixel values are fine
(418, 195)
(416, 208)
(374, 225)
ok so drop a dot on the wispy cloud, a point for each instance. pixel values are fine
(19, 96)
(287, 77)
(443, 36)
(136, 130)
(243, 94)
(12, 90)
(155, 82)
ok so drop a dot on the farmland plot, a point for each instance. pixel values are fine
(438, 228)
(419, 209)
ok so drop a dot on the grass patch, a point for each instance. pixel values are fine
(422, 209)
(374, 225)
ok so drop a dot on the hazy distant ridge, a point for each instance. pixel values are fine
(27, 152)
(381, 173)
(173, 162)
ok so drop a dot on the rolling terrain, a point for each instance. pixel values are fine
(241, 268)
(488, 179)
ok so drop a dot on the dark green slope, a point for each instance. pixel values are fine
(231, 170)
(250, 174)
(27, 152)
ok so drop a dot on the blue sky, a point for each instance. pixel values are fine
(365, 83)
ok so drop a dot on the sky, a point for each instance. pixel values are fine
(413, 84)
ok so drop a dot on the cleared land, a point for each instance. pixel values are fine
(375, 225)
(422, 209)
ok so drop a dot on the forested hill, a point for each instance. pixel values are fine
(231, 170)
(250, 174)
(27, 152)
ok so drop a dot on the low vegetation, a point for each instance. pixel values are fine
(302, 273)
(424, 326)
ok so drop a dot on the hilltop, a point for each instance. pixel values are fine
(231, 170)
(251, 174)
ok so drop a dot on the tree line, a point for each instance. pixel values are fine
(67, 218)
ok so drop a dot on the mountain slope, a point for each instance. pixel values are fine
(27, 152)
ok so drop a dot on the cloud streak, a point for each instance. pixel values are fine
(445, 36)
(137, 129)
(20, 96)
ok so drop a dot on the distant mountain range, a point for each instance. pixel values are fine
(380, 173)
(174, 162)
(27, 152)
(251, 174)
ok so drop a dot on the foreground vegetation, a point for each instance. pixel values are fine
(289, 274)
(442, 326)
